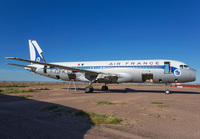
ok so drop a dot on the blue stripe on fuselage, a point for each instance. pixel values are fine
(111, 67)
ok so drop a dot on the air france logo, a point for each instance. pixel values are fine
(81, 64)
(177, 72)
(38, 59)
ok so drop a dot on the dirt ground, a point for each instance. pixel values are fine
(178, 117)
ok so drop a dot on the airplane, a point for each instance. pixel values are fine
(108, 72)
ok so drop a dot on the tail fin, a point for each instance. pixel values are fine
(35, 51)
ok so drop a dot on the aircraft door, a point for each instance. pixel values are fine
(45, 69)
(72, 76)
(167, 68)
(147, 78)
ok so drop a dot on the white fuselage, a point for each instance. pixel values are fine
(135, 71)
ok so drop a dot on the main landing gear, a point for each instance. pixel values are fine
(90, 89)
(104, 88)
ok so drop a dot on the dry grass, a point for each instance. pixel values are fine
(25, 96)
(98, 119)
(109, 103)
(156, 103)
(14, 90)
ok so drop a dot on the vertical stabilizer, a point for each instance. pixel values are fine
(35, 51)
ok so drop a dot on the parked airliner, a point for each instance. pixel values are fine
(126, 71)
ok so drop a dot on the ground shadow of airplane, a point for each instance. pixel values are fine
(129, 90)
(28, 118)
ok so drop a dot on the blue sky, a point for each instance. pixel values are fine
(87, 30)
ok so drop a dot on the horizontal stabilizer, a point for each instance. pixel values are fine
(54, 65)
(21, 65)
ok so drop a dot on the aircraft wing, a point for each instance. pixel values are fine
(25, 66)
(51, 65)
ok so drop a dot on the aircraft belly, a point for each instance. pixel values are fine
(157, 76)
(161, 77)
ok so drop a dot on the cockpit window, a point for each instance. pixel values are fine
(184, 67)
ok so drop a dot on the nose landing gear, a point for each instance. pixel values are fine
(167, 88)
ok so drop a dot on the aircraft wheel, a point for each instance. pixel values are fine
(104, 88)
(89, 89)
(167, 92)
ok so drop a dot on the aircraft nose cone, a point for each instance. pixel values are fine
(192, 75)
